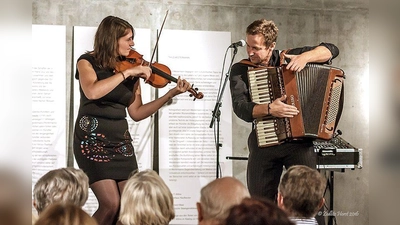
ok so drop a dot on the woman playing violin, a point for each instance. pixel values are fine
(102, 142)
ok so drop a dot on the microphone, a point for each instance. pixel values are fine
(238, 44)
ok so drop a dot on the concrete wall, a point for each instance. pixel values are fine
(301, 22)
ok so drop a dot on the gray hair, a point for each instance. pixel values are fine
(65, 185)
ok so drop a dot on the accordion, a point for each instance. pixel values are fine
(316, 91)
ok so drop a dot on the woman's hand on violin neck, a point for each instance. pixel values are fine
(139, 71)
(181, 86)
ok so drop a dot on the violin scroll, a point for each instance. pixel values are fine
(195, 94)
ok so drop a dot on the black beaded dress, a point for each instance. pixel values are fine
(102, 142)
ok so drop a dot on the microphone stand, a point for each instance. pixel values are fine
(217, 112)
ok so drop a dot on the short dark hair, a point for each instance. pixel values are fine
(257, 211)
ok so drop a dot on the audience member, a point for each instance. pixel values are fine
(301, 194)
(15, 204)
(64, 214)
(146, 200)
(67, 185)
(217, 197)
(257, 211)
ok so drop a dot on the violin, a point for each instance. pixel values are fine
(161, 74)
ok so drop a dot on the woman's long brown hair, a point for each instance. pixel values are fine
(106, 38)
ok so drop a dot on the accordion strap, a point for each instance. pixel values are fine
(248, 63)
(282, 56)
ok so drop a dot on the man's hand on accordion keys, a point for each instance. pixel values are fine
(279, 108)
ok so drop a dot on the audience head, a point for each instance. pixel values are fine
(15, 203)
(66, 185)
(301, 191)
(217, 197)
(146, 200)
(257, 211)
(64, 214)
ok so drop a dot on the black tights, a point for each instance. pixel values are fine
(108, 194)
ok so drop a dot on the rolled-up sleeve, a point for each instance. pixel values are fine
(331, 47)
(241, 102)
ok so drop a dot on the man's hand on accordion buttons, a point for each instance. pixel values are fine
(280, 109)
(297, 62)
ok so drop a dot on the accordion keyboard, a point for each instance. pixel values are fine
(261, 93)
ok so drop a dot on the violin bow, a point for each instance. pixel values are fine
(158, 37)
(198, 95)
